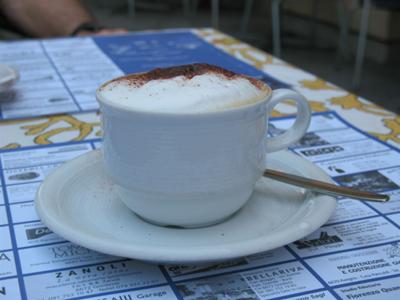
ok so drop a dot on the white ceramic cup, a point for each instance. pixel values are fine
(192, 170)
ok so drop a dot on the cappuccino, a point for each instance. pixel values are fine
(185, 145)
(195, 88)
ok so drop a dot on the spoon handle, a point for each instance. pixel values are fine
(323, 187)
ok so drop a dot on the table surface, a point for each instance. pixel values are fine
(51, 116)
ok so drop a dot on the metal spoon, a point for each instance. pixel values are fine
(323, 187)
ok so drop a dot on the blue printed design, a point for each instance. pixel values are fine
(143, 52)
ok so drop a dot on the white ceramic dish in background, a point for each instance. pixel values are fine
(78, 202)
(8, 76)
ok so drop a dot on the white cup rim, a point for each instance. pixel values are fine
(103, 100)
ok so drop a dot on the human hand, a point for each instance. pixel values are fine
(105, 31)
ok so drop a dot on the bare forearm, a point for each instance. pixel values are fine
(45, 18)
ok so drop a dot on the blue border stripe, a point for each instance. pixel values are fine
(350, 220)
(315, 274)
(12, 236)
(75, 267)
(8, 277)
(299, 295)
(352, 155)
(362, 132)
(236, 271)
(170, 282)
(367, 281)
(59, 75)
(352, 249)
(42, 245)
(331, 144)
(101, 295)
(35, 147)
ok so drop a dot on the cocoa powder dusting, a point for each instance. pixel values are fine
(188, 71)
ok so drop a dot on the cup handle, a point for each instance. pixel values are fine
(298, 129)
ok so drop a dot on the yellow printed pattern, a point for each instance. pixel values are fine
(53, 126)
(394, 130)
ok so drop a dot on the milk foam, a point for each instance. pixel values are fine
(202, 93)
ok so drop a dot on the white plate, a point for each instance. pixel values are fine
(78, 202)
(8, 76)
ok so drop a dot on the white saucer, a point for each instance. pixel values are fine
(8, 76)
(77, 202)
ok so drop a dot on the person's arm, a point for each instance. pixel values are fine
(47, 18)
